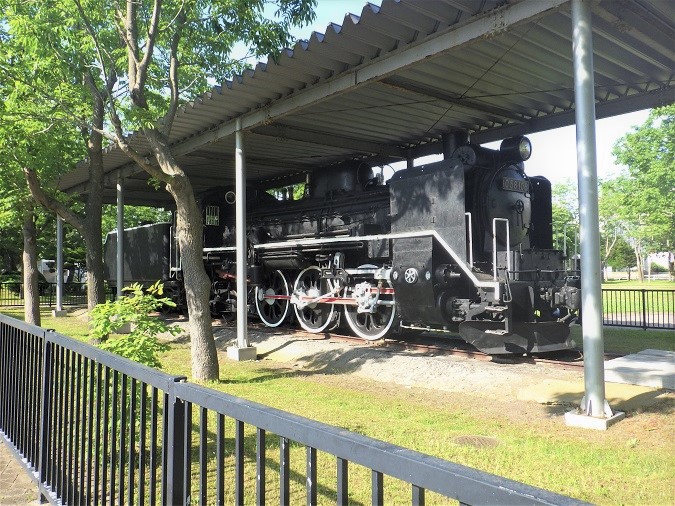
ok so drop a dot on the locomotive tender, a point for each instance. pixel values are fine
(462, 245)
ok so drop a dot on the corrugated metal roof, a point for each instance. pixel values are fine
(392, 81)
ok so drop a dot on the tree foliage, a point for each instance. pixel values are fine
(137, 62)
(135, 309)
(639, 203)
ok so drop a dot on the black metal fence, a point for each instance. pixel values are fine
(94, 428)
(644, 308)
(74, 294)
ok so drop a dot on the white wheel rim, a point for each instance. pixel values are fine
(299, 312)
(356, 326)
(261, 302)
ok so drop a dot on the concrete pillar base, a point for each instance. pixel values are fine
(57, 313)
(576, 419)
(124, 329)
(242, 354)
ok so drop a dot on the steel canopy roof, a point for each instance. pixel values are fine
(386, 85)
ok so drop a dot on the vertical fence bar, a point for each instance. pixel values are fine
(187, 454)
(417, 496)
(284, 471)
(152, 484)
(113, 436)
(378, 488)
(168, 417)
(142, 442)
(122, 438)
(239, 462)
(311, 476)
(83, 429)
(260, 467)
(203, 455)
(643, 292)
(46, 411)
(102, 450)
(220, 461)
(75, 459)
(174, 446)
(342, 482)
(131, 447)
(90, 431)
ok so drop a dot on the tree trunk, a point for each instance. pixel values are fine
(93, 235)
(189, 229)
(190, 233)
(31, 293)
(640, 265)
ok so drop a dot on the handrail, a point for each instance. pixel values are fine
(494, 246)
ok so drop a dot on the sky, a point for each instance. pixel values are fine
(553, 151)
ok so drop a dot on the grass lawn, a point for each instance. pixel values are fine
(657, 284)
(632, 463)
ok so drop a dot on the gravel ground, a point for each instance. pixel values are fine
(394, 365)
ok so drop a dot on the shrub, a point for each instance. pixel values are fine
(141, 345)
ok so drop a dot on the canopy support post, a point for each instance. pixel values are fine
(242, 351)
(594, 411)
(119, 274)
(59, 311)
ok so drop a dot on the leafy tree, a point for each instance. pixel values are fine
(643, 194)
(622, 256)
(134, 216)
(565, 215)
(51, 85)
(137, 61)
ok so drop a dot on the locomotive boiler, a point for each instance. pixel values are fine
(461, 246)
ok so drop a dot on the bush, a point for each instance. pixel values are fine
(141, 345)
(658, 268)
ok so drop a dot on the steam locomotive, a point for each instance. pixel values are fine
(462, 246)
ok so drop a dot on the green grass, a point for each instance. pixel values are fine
(632, 463)
(657, 284)
(624, 341)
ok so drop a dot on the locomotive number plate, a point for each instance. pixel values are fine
(515, 185)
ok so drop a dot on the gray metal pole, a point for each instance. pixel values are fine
(119, 275)
(59, 264)
(240, 225)
(594, 403)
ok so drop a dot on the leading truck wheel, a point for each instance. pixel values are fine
(272, 310)
(377, 311)
(313, 315)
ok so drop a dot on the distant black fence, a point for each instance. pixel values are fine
(644, 308)
(94, 428)
(74, 294)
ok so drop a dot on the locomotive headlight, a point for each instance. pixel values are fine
(516, 149)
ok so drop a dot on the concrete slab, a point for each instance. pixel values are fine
(652, 368)
(621, 397)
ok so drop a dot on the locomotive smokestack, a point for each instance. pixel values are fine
(452, 140)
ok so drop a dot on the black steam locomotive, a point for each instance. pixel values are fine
(463, 246)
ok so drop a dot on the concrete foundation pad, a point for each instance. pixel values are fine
(59, 313)
(576, 419)
(242, 354)
(653, 368)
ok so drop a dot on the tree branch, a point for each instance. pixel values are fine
(50, 203)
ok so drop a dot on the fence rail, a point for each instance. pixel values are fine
(645, 308)
(74, 294)
(94, 428)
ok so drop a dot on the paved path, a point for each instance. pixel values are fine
(16, 487)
